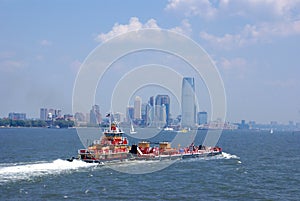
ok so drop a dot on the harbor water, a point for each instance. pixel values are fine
(255, 165)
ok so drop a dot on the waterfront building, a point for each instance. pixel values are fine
(43, 114)
(49, 114)
(17, 116)
(243, 125)
(188, 103)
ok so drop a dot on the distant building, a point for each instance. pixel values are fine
(188, 103)
(137, 108)
(274, 123)
(49, 114)
(119, 117)
(243, 125)
(252, 124)
(164, 110)
(151, 101)
(149, 114)
(144, 112)
(79, 117)
(17, 116)
(129, 113)
(87, 117)
(68, 117)
(95, 116)
(58, 113)
(163, 114)
(43, 114)
(202, 118)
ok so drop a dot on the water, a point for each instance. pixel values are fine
(255, 166)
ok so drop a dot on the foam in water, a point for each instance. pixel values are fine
(229, 156)
(24, 171)
(27, 171)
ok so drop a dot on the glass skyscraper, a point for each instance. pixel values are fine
(188, 103)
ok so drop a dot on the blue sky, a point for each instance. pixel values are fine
(254, 44)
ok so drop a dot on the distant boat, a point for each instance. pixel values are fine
(168, 129)
(132, 131)
(271, 131)
(183, 131)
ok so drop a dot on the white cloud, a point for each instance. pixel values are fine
(203, 8)
(282, 8)
(185, 28)
(134, 24)
(252, 34)
(262, 20)
(249, 8)
(45, 42)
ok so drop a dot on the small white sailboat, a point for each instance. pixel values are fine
(271, 131)
(132, 131)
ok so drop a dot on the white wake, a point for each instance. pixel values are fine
(229, 156)
(15, 172)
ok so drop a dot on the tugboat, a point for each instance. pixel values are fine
(113, 147)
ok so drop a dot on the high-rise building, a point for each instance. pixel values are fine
(129, 113)
(164, 110)
(137, 107)
(151, 101)
(149, 115)
(150, 110)
(43, 114)
(202, 118)
(49, 114)
(163, 113)
(95, 116)
(188, 102)
(144, 112)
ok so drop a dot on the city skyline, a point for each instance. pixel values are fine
(201, 119)
(254, 45)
